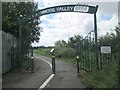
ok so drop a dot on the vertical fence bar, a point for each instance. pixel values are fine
(81, 55)
(85, 53)
(90, 50)
(101, 60)
(77, 58)
(93, 54)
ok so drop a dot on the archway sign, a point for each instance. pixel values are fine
(80, 8)
(62, 8)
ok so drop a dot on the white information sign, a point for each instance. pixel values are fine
(105, 49)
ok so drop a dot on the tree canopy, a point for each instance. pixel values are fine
(10, 13)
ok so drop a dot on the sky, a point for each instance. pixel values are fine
(61, 26)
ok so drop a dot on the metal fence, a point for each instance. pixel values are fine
(9, 43)
(87, 53)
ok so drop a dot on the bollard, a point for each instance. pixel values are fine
(52, 51)
(77, 64)
(53, 64)
(32, 71)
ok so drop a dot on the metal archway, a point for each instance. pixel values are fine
(62, 8)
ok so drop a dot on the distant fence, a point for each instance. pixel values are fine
(9, 44)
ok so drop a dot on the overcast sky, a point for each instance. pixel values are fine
(61, 26)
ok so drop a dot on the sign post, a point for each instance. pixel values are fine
(106, 52)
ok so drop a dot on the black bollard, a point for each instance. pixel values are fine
(77, 64)
(53, 64)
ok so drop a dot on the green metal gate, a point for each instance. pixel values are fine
(86, 53)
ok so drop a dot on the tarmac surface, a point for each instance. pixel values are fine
(27, 80)
(65, 77)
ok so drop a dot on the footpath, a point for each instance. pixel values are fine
(30, 81)
(66, 76)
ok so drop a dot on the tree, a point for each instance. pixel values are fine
(10, 13)
(74, 40)
(60, 43)
(30, 31)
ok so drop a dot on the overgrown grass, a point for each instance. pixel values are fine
(65, 54)
(106, 78)
(43, 51)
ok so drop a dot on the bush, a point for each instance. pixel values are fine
(106, 78)
(43, 51)
(65, 52)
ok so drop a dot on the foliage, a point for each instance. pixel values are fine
(65, 52)
(106, 78)
(72, 42)
(11, 11)
(67, 49)
(43, 51)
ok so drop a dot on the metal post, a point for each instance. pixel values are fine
(53, 64)
(20, 34)
(96, 43)
(77, 58)
(32, 59)
(77, 64)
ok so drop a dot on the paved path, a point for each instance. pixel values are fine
(65, 77)
(27, 80)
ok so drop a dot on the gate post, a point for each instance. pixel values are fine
(96, 43)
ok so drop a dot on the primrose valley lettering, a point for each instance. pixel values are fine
(65, 9)
(57, 9)
(76, 8)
